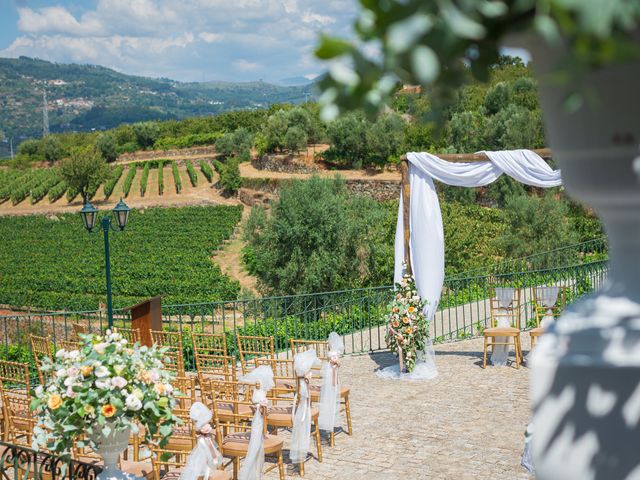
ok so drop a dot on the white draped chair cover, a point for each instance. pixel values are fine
(547, 296)
(500, 353)
(254, 461)
(205, 457)
(426, 232)
(303, 362)
(329, 406)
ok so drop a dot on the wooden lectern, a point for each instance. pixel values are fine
(147, 316)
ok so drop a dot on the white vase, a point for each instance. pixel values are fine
(110, 447)
(585, 377)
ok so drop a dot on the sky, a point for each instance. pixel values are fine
(187, 40)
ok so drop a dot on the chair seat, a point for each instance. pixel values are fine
(237, 444)
(175, 442)
(215, 475)
(314, 389)
(536, 332)
(501, 332)
(282, 416)
(139, 469)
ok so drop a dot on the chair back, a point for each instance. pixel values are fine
(132, 335)
(15, 394)
(69, 345)
(174, 355)
(252, 347)
(215, 366)
(165, 460)
(79, 329)
(233, 415)
(209, 343)
(505, 305)
(41, 348)
(185, 396)
(540, 295)
(320, 346)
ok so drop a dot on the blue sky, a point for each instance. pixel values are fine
(189, 40)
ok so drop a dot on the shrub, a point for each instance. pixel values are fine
(110, 184)
(84, 169)
(160, 177)
(52, 149)
(146, 133)
(57, 191)
(126, 186)
(144, 178)
(107, 146)
(129, 147)
(176, 176)
(295, 139)
(230, 178)
(206, 169)
(193, 174)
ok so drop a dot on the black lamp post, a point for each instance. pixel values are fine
(119, 215)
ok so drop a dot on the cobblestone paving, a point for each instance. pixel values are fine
(466, 424)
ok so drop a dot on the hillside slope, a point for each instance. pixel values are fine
(82, 97)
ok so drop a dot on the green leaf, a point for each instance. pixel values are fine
(332, 47)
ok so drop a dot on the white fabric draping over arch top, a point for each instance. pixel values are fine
(427, 236)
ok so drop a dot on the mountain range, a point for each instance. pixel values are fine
(85, 97)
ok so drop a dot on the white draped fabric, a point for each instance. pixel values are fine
(254, 461)
(500, 353)
(205, 457)
(426, 232)
(329, 405)
(547, 296)
(301, 431)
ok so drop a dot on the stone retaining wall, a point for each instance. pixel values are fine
(153, 154)
(282, 163)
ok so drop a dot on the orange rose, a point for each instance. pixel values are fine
(54, 402)
(396, 309)
(412, 309)
(108, 410)
(395, 324)
(405, 319)
(408, 330)
(145, 376)
(86, 370)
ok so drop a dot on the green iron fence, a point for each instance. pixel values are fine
(358, 315)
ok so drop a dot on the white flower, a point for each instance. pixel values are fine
(133, 403)
(101, 371)
(154, 375)
(72, 371)
(61, 353)
(39, 391)
(119, 382)
(74, 355)
(69, 381)
(61, 373)
(103, 384)
(138, 394)
(168, 388)
(52, 388)
(70, 392)
(100, 348)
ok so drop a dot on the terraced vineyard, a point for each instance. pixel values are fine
(46, 184)
(52, 263)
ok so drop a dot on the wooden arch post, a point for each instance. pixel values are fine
(545, 153)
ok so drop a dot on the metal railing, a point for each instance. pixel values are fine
(358, 315)
(17, 462)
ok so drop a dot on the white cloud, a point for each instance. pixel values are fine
(186, 39)
(245, 65)
(209, 37)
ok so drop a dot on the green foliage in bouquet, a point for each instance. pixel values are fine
(407, 326)
(106, 385)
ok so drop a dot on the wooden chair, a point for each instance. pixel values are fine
(79, 329)
(322, 349)
(132, 335)
(287, 385)
(41, 348)
(174, 354)
(15, 393)
(167, 464)
(251, 347)
(69, 345)
(183, 437)
(210, 353)
(541, 311)
(233, 430)
(511, 313)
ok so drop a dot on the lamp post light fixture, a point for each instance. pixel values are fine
(119, 216)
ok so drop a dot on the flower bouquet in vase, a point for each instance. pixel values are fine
(99, 394)
(407, 325)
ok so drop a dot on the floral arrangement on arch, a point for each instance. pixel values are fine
(407, 325)
(106, 385)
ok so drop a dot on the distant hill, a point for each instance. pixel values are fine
(85, 97)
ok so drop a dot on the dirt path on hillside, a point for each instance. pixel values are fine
(229, 259)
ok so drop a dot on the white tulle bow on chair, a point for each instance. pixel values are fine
(329, 405)
(205, 457)
(301, 433)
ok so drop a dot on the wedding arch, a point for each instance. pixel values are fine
(419, 241)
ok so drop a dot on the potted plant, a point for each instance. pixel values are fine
(98, 396)
(586, 57)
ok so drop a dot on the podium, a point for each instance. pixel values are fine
(146, 316)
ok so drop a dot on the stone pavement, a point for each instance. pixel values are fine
(468, 423)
